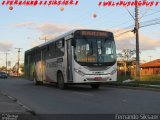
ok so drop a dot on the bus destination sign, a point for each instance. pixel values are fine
(94, 33)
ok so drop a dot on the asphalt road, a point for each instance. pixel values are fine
(48, 99)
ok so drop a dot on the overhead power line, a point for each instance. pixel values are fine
(122, 33)
(151, 14)
(151, 22)
(145, 13)
(130, 13)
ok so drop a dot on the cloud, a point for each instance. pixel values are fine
(24, 24)
(123, 39)
(127, 40)
(35, 43)
(5, 46)
(48, 30)
(51, 30)
(148, 43)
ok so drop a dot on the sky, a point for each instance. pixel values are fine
(25, 26)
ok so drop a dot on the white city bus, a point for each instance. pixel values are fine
(77, 57)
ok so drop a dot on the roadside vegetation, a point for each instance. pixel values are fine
(146, 81)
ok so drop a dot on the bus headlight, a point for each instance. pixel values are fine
(114, 71)
(79, 72)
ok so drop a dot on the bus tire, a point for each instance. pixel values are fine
(60, 81)
(95, 86)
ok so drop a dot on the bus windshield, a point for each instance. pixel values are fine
(95, 50)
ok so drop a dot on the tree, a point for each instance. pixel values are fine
(126, 55)
(126, 59)
(3, 68)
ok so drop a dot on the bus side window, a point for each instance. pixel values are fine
(53, 50)
(60, 48)
(48, 48)
(60, 43)
(48, 51)
(56, 49)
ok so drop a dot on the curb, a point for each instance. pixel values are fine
(19, 103)
(148, 88)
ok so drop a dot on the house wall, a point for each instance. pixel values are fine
(150, 71)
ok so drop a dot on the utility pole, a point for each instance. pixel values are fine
(137, 42)
(18, 50)
(7, 61)
(45, 38)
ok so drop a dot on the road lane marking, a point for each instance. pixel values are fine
(81, 93)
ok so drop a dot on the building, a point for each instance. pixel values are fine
(150, 68)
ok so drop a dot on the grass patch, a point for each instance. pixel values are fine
(148, 82)
(123, 84)
(150, 78)
(136, 83)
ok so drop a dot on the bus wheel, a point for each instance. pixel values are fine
(95, 86)
(60, 81)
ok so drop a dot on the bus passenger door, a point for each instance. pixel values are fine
(69, 60)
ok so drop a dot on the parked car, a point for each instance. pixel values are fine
(3, 75)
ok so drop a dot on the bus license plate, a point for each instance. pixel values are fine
(98, 78)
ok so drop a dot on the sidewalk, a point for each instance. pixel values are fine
(11, 109)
